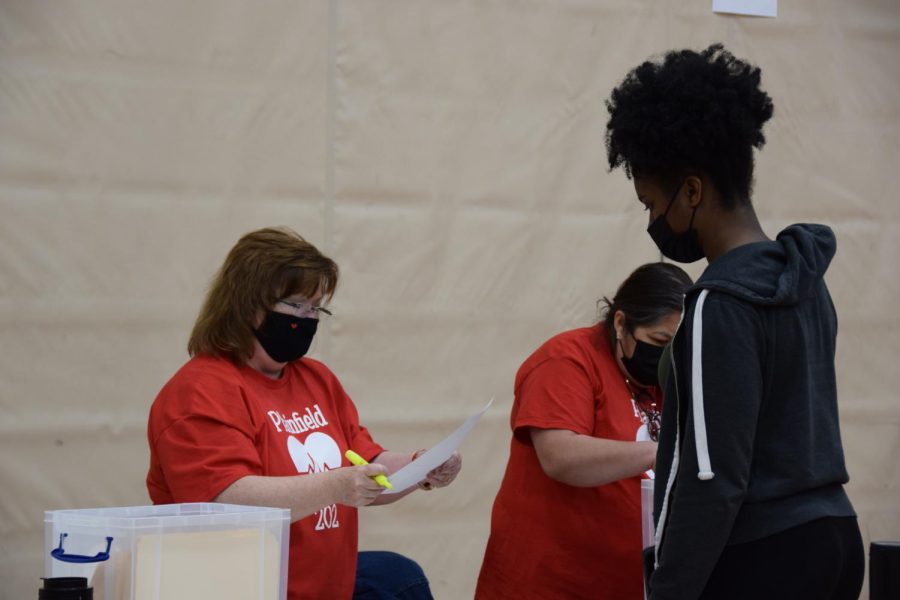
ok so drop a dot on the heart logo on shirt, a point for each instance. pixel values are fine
(317, 454)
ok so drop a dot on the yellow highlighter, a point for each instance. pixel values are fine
(359, 461)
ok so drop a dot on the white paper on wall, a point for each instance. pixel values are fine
(756, 8)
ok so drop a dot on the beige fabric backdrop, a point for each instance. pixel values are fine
(449, 155)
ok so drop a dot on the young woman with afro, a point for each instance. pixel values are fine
(749, 499)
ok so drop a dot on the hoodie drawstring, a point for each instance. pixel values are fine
(703, 463)
(705, 473)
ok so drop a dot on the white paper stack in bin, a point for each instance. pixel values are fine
(172, 551)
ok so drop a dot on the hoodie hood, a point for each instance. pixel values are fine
(781, 272)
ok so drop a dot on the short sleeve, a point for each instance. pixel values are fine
(209, 446)
(201, 457)
(556, 394)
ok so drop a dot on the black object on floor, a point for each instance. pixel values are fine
(884, 570)
(66, 588)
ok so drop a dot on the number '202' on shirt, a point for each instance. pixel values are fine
(216, 421)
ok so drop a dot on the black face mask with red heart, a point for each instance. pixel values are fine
(286, 338)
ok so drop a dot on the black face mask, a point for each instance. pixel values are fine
(642, 365)
(680, 247)
(286, 338)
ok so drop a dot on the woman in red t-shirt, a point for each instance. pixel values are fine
(250, 420)
(566, 521)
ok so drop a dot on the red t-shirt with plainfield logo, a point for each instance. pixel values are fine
(552, 540)
(216, 421)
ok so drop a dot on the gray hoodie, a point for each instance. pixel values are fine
(750, 442)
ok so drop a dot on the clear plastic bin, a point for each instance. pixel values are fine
(648, 531)
(172, 551)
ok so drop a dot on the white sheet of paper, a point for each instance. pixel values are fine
(756, 8)
(437, 455)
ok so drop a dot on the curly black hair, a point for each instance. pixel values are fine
(691, 111)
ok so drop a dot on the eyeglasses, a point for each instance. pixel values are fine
(305, 309)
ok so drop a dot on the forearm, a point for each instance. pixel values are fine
(305, 494)
(585, 461)
(391, 498)
(393, 462)
(302, 494)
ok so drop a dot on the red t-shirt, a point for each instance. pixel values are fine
(215, 422)
(548, 539)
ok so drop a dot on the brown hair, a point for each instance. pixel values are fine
(263, 267)
(651, 292)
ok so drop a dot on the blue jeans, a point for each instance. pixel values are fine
(389, 576)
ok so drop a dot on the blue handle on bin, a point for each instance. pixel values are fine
(60, 554)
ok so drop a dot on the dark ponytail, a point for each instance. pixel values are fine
(650, 293)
